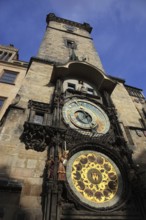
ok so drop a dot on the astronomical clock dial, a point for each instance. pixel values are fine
(94, 178)
(86, 117)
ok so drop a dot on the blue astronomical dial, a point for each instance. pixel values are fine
(85, 116)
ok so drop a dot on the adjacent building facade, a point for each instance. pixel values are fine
(72, 138)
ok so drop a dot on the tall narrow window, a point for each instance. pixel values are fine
(2, 99)
(8, 76)
(71, 44)
(144, 110)
(5, 56)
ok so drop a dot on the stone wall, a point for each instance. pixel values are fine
(36, 85)
(130, 116)
(26, 167)
(21, 165)
(16, 163)
(53, 46)
(127, 112)
(9, 91)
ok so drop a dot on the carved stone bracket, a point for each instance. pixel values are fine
(38, 137)
(35, 136)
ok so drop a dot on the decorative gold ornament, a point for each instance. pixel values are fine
(94, 178)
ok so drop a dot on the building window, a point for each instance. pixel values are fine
(80, 82)
(5, 56)
(38, 118)
(39, 112)
(2, 99)
(90, 91)
(71, 86)
(71, 44)
(8, 76)
(144, 111)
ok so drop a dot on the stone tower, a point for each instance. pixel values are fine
(72, 138)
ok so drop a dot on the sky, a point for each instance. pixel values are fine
(119, 31)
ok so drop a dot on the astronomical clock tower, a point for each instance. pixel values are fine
(89, 171)
(72, 116)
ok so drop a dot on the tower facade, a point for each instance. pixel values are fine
(73, 142)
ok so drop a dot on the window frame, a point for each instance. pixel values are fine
(40, 114)
(3, 99)
(71, 44)
(5, 55)
(71, 86)
(7, 71)
(90, 91)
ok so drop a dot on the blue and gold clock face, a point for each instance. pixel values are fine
(85, 116)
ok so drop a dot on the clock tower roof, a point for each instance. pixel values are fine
(53, 17)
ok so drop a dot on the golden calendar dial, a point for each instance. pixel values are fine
(94, 178)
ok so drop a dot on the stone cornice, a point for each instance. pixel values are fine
(10, 48)
(45, 61)
(116, 79)
(40, 60)
(17, 63)
(73, 33)
(132, 87)
(53, 17)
